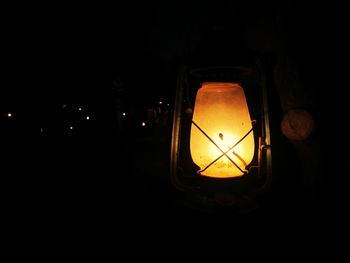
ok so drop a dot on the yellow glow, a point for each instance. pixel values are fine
(124, 114)
(143, 124)
(221, 111)
(9, 114)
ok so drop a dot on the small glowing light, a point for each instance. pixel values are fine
(71, 127)
(161, 102)
(143, 124)
(9, 114)
(168, 104)
(79, 109)
(64, 106)
(88, 117)
(41, 130)
(124, 114)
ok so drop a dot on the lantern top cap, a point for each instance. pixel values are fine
(220, 85)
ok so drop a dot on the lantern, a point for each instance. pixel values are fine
(221, 139)
(220, 151)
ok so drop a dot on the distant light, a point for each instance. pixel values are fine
(88, 117)
(41, 130)
(9, 114)
(161, 102)
(64, 106)
(143, 124)
(71, 127)
(79, 109)
(124, 114)
(168, 104)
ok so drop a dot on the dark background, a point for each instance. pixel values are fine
(110, 174)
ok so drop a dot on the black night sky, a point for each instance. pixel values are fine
(78, 83)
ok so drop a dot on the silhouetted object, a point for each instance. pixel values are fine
(297, 124)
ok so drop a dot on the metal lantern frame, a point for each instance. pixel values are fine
(184, 173)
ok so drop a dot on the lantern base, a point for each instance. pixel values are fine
(221, 201)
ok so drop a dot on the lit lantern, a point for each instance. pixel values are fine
(221, 137)
(222, 141)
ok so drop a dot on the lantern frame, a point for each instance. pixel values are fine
(183, 171)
